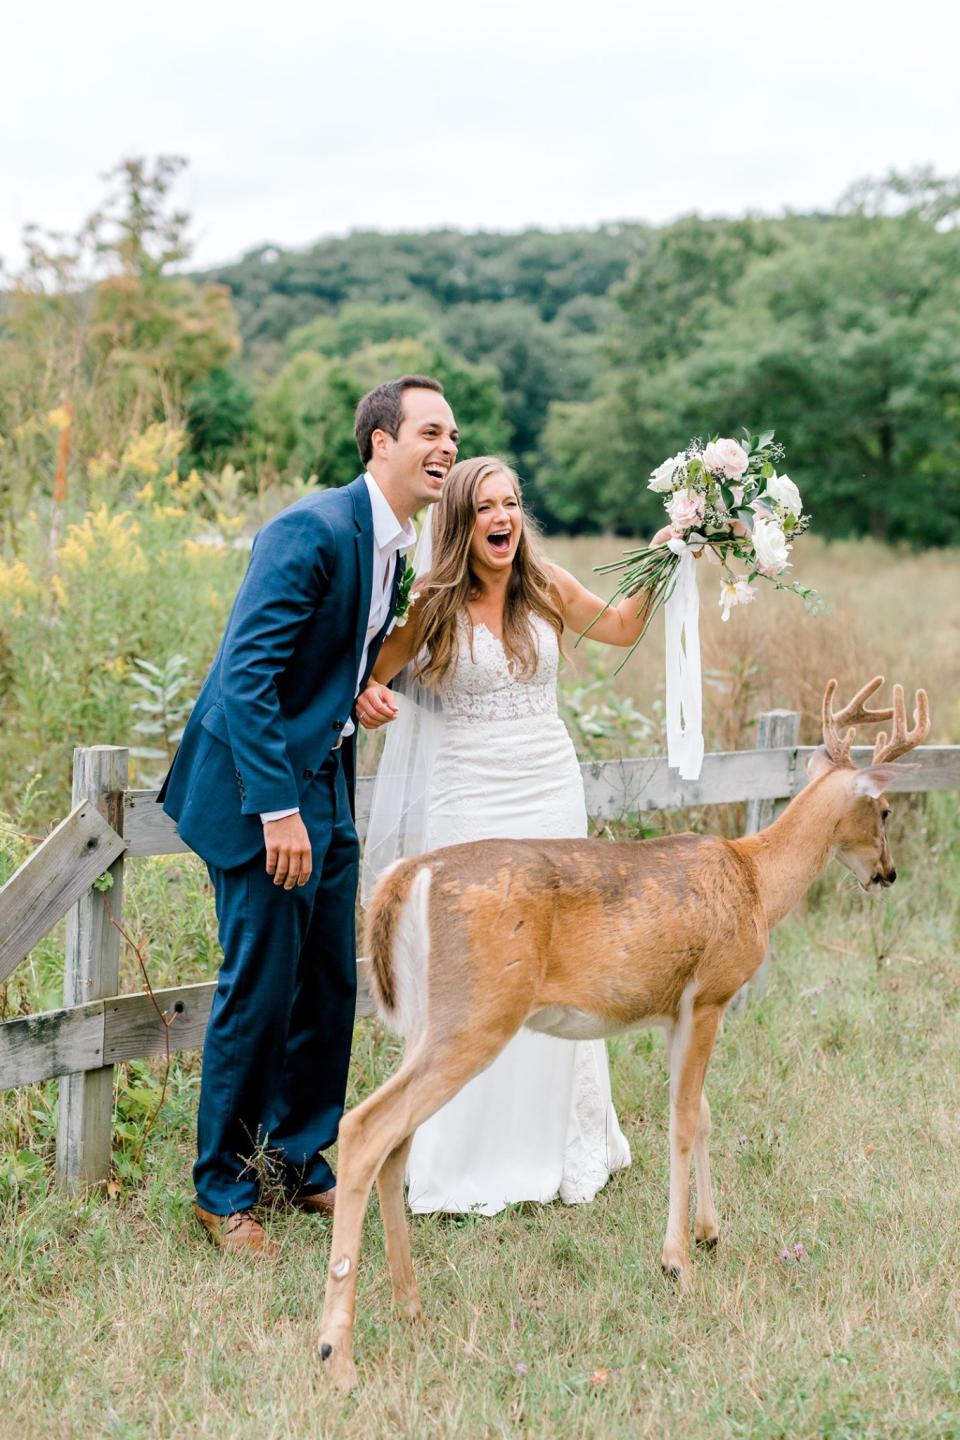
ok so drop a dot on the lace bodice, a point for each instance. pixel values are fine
(483, 686)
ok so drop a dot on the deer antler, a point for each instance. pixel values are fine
(901, 739)
(854, 713)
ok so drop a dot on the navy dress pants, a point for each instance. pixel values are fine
(278, 1041)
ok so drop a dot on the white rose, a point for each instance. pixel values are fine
(725, 457)
(770, 546)
(662, 478)
(782, 491)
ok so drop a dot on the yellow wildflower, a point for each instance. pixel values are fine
(100, 468)
(103, 542)
(155, 450)
(168, 512)
(230, 523)
(191, 487)
(201, 550)
(59, 418)
(16, 582)
(145, 494)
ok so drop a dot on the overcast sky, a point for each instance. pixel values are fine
(308, 119)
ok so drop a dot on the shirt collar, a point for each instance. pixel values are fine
(389, 535)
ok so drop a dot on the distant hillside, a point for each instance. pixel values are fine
(275, 290)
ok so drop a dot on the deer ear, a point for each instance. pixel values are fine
(874, 780)
(819, 763)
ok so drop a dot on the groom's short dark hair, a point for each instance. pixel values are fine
(382, 409)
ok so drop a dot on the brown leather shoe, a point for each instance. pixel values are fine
(320, 1204)
(237, 1232)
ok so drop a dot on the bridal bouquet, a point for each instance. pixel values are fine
(725, 498)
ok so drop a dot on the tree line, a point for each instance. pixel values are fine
(585, 356)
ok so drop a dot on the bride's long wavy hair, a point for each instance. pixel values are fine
(452, 580)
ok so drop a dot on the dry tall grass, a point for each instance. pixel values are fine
(892, 612)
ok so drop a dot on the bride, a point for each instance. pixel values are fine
(482, 643)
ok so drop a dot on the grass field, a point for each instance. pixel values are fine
(835, 1100)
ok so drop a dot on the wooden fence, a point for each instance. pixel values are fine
(110, 824)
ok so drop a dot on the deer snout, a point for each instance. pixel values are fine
(885, 878)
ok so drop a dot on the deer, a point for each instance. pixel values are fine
(582, 939)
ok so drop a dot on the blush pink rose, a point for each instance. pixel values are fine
(685, 509)
(726, 457)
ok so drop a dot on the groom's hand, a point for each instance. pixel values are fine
(289, 858)
(376, 706)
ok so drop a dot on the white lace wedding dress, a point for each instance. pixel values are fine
(540, 1122)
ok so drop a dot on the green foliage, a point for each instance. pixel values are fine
(585, 356)
(98, 339)
(842, 332)
(220, 417)
(167, 695)
(305, 415)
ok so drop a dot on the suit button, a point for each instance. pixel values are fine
(308, 774)
(338, 724)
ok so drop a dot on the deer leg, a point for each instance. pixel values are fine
(690, 1047)
(705, 1228)
(396, 1232)
(370, 1136)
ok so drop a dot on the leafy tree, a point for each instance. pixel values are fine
(220, 417)
(306, 413)
(97, 334)
(843, 334)
(536, 362)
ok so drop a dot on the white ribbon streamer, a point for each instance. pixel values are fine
(684, 685)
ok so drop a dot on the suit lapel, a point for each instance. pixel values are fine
(381, 635)
(363, 516)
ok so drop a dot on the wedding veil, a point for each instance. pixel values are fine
(398, 809)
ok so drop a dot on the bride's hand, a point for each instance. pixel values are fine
(375, 706)
(668, 533)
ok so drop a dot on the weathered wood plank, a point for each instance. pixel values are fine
(52, 878)
(85, 1038)
(92, 972)
(147, 830)
(938, 768)
(776, 730)
(618, 787)
(44, 1047)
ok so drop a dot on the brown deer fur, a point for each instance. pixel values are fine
(583, 938)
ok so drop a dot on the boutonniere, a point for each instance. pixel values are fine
(406, 595)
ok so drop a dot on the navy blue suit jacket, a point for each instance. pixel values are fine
(283, 682)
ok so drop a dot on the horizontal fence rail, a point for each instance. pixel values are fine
(618, 788)
(110, 824)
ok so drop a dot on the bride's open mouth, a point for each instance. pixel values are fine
(499, 541)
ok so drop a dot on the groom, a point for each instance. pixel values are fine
(262, 788)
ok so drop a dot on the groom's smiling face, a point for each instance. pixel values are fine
(425, 447)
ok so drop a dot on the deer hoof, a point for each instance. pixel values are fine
(338, 1367)
(707, 1242)
(672, 1272)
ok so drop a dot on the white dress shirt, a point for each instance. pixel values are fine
(389, 539)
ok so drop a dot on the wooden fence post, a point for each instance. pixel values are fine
(776, 729)
(92, 972)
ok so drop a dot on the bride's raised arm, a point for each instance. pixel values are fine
(620, 624)
(375, 704)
